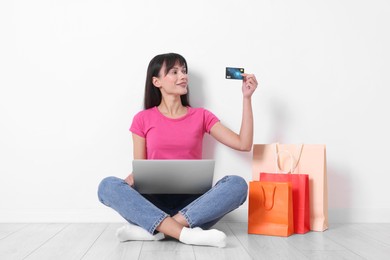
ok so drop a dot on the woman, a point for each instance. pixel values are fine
(169, 128)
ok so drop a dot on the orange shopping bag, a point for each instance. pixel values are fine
(312, 162)
(270, 210)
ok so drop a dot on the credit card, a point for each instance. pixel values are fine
(234, 73)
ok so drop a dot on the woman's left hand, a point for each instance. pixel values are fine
(249, 84)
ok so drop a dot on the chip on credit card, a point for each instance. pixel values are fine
(234, 73)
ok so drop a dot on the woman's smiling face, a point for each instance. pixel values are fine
(174, 81)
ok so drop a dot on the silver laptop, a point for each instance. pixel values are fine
(173, 176)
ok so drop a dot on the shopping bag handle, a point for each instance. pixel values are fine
(270, 194)
(278, 162)
(292, 167)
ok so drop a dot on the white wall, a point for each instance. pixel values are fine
(72, 75)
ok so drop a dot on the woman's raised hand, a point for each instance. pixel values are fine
(249, 84)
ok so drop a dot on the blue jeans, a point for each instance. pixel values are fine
(148, 211)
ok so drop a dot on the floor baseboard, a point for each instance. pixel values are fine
(105, 215)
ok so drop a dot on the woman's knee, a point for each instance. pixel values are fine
(106, 186)
(235, 185)
(239, 186)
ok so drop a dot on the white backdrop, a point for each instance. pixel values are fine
(72, 77)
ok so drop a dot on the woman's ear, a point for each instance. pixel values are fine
(156, 82)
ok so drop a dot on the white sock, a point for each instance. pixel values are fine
(200, 237)
(134, 232)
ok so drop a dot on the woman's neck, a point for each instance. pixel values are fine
(172, 108)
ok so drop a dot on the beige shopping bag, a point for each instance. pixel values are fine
(312, 162)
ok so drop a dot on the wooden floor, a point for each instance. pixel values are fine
(98, 241)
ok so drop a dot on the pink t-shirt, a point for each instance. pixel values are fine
(168, 138)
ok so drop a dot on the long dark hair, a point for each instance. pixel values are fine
(153, 94)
